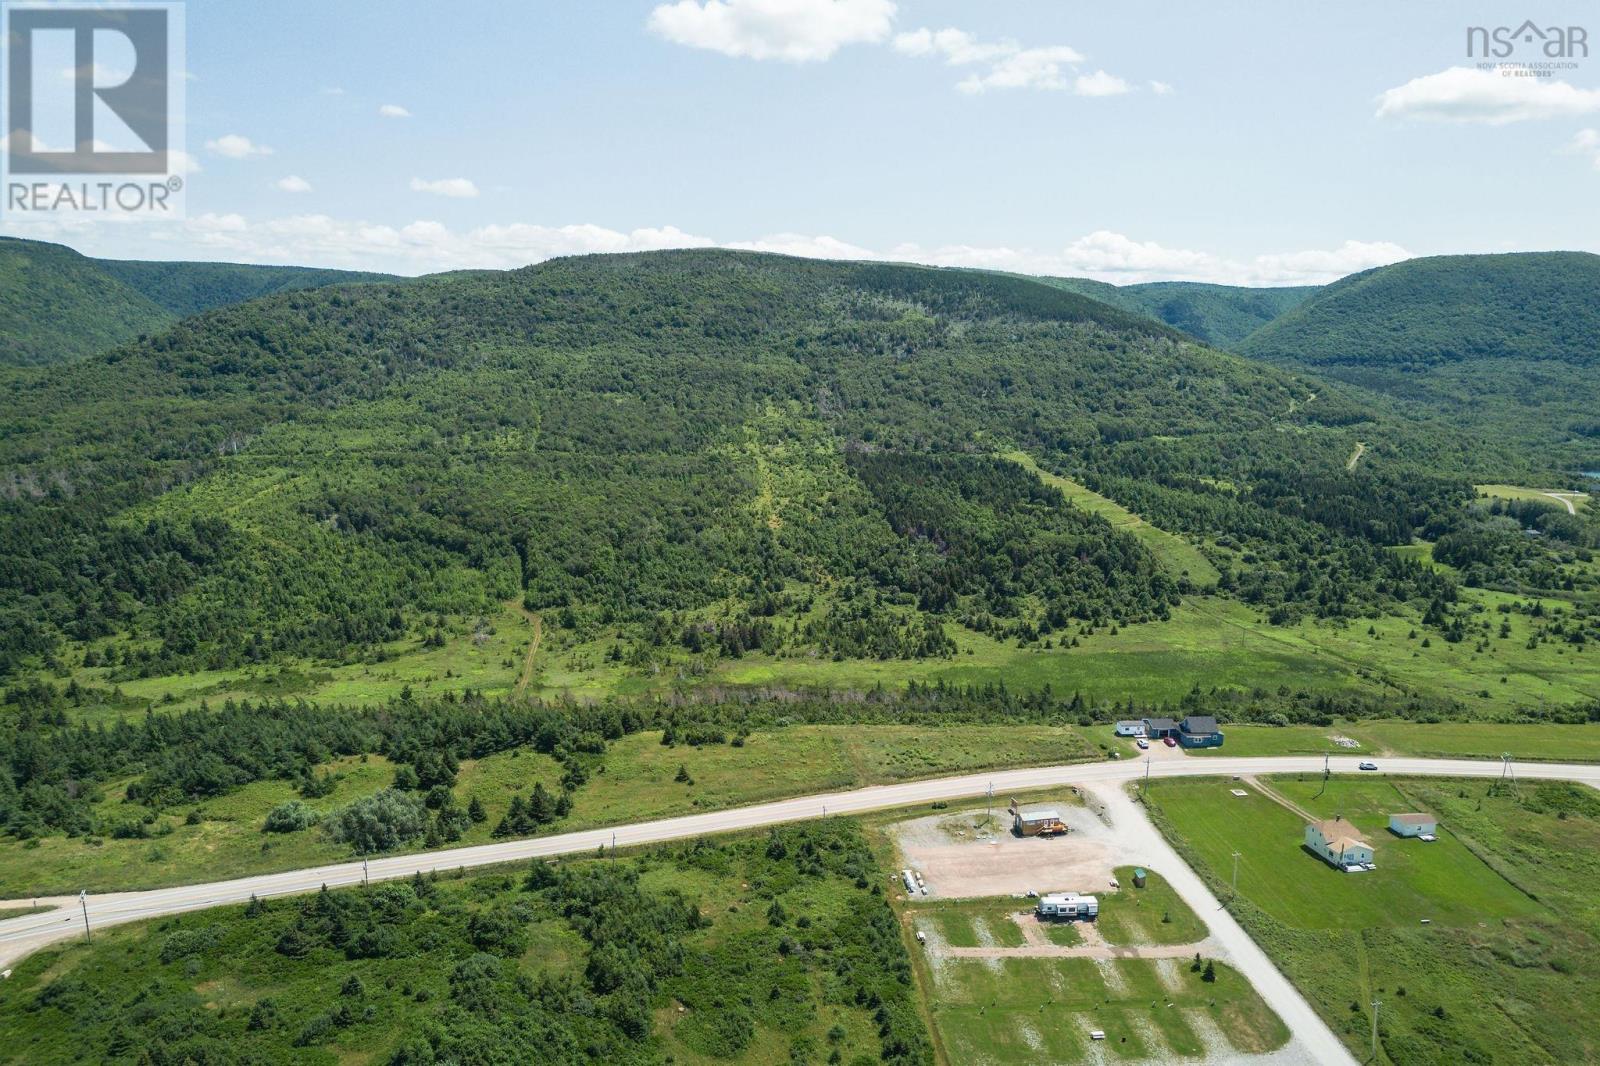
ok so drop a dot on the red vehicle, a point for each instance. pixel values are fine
(1169, 742)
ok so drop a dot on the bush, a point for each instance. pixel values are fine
(289, 817)
(380, 822)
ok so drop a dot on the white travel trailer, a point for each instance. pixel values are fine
(1068, 905)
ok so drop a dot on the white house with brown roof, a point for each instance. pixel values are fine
(1338, 842)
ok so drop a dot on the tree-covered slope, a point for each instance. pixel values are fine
(1500, 348)
(1220, 315)
(1537, 306)
(188, 288)
(56, 304)
(710, 449)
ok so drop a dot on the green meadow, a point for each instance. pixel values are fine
(1480, 946)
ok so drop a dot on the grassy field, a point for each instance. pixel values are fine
(973, 923)
(1153, 914)
(1034, 1010)
(1211, 640)
(1471, 740)
(1549, 743)
(1177, 555)
(1519, 492)
(639, 781)
(1443, 882)
(780, 965)
(1506, 966)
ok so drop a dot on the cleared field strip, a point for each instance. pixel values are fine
(1174, 553)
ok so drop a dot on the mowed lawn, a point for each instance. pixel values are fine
(1493, 978)
(1460, 740)
(1154, 914)
(1038, 1010)
(1550, 743)
(1442, 882)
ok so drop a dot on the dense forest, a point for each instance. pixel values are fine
(637, 435)
(718, 452)
(1220, 315)
(1523, 306)
(1500, 349)
(57, 305)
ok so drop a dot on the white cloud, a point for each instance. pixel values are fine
(425, 245)
(1462, 94)
(1100, 84)
(333, 90)
(809, 247)
(422, 246)
(957, 47)
(393, 111)
(1317, 267)
(1586, 143)
(455, 188)
(1160, 88)
(1106, 256)
(795, 31)
(234, 146)
(293, 183)
(182, 162)
(1008, 65)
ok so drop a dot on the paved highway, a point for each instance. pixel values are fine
(20, 936)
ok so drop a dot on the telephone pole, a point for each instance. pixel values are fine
(83, 901)
(988, 812)
(1374, 1030)
(363, 873)
(1236, 874)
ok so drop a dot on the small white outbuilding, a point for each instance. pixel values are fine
(1413, 825)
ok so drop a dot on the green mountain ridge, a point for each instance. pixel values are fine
(761, 449)
(57, 305)
(1443, 309)
(1500, 347)
(1219, 315)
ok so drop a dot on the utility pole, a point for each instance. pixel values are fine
(363, 873)
(1147, 772)
(988, 812)
(1236, 874)
(1374, 1030)
(613, 849)
(83, 901)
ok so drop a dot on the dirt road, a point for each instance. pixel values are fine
(533, 650)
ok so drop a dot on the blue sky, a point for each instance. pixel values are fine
(1258, 143)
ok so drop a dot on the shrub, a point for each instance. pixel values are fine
(380, 822)
(289, 817)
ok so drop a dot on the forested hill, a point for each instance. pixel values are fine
(189, 288)
(57, 305)
(1502, 349)
(728, 449)
(1220, 315)
(1535, 306)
